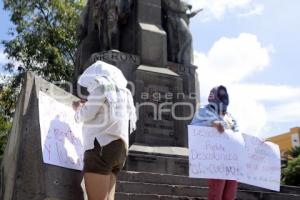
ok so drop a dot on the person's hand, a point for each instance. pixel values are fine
(218, 126)
(77, 104)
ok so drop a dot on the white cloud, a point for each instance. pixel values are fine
(268, 93)
(288, 112)
(218, 8)
(3, 58)
(231, 60)
(2, 79)
(259, 106)
(256, 106)
(4, 75)
(257, 10)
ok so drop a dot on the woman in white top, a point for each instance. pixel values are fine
(106, 115)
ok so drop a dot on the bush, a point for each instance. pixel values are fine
(4, 131)
(291, 174)
(293, 152)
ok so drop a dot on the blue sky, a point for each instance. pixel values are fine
(250, 46)
(253, 48)
(278, 24)
(4, 23)
(4, 28)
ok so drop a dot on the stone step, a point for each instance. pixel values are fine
(259, 195)
(242, 195)
(160, 189)
(146, 177)
(130, 196)
(148, 189)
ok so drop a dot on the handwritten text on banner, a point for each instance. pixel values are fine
(61, 136)
(233, 156)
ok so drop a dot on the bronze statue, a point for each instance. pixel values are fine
(176, 18)
(108, 14)
(103, 17)
(98, 29)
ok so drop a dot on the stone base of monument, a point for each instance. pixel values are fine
(24, 175)
(157, 186)
(166, 160)
(161, 173)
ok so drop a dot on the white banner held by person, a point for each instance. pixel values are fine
(263, 163)
(214, 155)
(233, 156)
(61, 136)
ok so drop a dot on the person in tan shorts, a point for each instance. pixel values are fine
(105, 116)
(105, 160)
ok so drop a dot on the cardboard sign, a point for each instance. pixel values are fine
(262, 165)
(233, 156)
(61, 136)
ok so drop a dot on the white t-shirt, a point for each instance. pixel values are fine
(102, 121)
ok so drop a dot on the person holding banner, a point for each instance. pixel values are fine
(215, 115)
(107, 115)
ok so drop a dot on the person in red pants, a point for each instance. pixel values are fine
(222, 189)
(215, 115)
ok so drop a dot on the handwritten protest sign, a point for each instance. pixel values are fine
(214, 155)
(262, 164)
(233, 156)
(61, 136)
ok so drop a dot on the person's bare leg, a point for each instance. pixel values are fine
(97, 186)
(112, 187)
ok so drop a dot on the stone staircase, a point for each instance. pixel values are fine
(152, 186)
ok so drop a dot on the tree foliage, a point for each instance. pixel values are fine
(43, 41)
(45, 36)
(291, 173)
(4, 127)
(293, 152)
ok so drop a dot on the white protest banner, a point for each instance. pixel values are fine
(233, 156)
(61, 136)
(263, 163)
(214, 155)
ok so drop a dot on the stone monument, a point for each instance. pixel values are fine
(135, 36)
(149, 40)
(23, 174)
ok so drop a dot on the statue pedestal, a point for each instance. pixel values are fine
(156, 94)
(152, 38)
(155, 159)
(24, 175)
(165, 105)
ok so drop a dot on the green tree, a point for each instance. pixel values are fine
(293, 152)
(45, 36)
(291, 174)
(7, 106)
(4, 127)
(44, 41)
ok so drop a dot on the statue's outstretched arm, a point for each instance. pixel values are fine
(195, 12)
